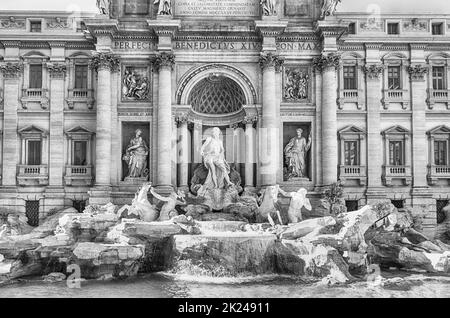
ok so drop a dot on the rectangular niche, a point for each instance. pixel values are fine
(296, 84)
(137, 7)
(290, 156)
(293, 8)
(128, 134)
(136, 84)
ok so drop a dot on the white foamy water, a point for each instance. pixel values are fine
(269, 286)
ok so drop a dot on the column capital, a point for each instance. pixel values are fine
(103, 60)
(373, 71)
(57, 70)
(165, 60)
(250, 120)
(181, 119)
(269, 59)
(417, 72)
(11, 70)
(326, 61)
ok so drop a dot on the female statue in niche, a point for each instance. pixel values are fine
(295, 152)
(136, 157)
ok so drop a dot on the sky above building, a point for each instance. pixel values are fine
(385, 6)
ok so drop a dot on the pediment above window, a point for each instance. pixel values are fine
(79, 131)
(32, 131)
(440, 130)
(396, 130)
(352, 132)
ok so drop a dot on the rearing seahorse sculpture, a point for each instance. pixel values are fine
(140, 206)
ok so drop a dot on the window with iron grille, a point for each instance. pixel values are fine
(438, 77)
(34, 151)
(35, 26)
(79, 206)
(351, 152)
(437, 29)
(440, 152)
(81, 76)
(396, 153)
(440, 205)
(399, 204)
(36, 76)
(352, 205)
(352, 28)
(350, 77)
(394, 77)
(32, 212)
(393, 28)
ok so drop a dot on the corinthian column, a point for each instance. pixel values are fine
(183, 152)
(104, 64)
(328, 64)
(164, 64)
(270, 128)
(250, 160)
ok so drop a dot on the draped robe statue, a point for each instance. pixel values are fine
(295, 152)
(136, 157)
(165, 7)
(268, 7)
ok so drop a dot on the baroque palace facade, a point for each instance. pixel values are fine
(94, 105)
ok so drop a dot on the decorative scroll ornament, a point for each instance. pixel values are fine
(331, 60)
(418, 72)
(104, 61)
(329, 8)
(373, 71)
(415, 25)
(11, 70)
(165, 7)
(268, 7)
(165, 60)
(12, 23)
(270, 60)
(57, 70)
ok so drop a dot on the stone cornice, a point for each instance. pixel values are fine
(165, 60)
(418, 72)
(8, 43)
(325, 61)
(164, 28)
(250, 120)
(102, 27)
(104, 61)
(57, 70)
(373, 71)
(57, 44)
(271, 28)
(330, 29)
(267, 60)
(373, 46)
(11, 70)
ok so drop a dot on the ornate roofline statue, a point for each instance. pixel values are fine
(165, 7)
(104, 6)
(268, 7)
(329, 8)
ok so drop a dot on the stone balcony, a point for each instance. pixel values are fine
(353, 173)
(32, 175)
(79, 176)
(35, 95)
(397, 172)
(438, 96)
(436, 173)
(80, 96)
(399, 96)
(351, 96)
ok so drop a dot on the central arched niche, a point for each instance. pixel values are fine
(217, 95)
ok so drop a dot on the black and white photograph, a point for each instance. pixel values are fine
(235, 151)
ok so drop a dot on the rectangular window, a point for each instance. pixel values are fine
(34, 153)
(36, 76)
(438, 77)
(81, 76)
(440, 152)
(393, 28)
(394, 77)
(32, 212)
(399, 204)
(35, 26)
(352, 205)
(351, 153)
(396, 153)
(350, 77)
(437, 29)
(79, 153)
(352, 28)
